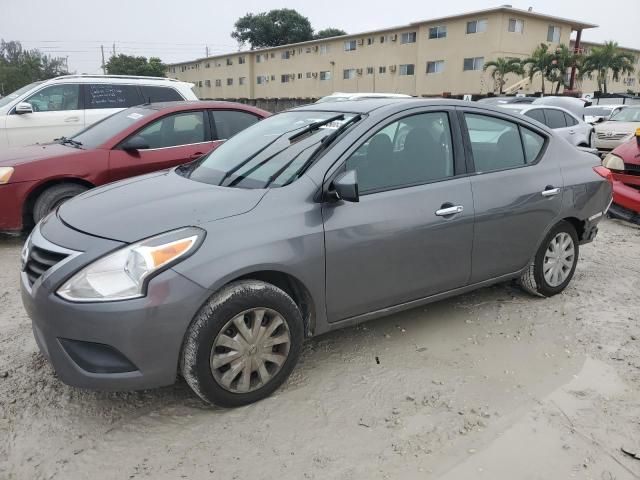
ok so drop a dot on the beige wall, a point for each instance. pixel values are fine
(308, 58)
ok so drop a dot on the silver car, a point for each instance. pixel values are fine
(567, 125)
(311, 220)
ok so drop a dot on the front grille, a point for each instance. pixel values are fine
(39, 261)
(632, 169)
(614, 136)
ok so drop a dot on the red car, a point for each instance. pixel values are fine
(624, 163)
(34, 180)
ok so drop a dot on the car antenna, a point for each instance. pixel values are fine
(148, 102)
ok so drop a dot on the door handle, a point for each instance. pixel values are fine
(550, 191)
(193, 156)
(72, 119)
(571, 132)
(452, 210)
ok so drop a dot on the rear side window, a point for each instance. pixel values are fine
(555, 118)
(159, 94)
(533, 144)
(536, 114)
(570, 120)
(495, 143)
(174, 130)
(106, 95)
(230, 122)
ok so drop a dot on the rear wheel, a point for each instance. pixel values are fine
(53, 197)
(555, 262)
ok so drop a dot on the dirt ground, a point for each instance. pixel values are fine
(491, 385)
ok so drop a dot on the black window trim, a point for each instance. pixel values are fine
(207, 130)
(459, 164)
(500, 116)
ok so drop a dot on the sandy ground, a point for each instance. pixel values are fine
(491, 385)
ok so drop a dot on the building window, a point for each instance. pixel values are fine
(299, 76)
(308, 74)
(407, 69)
(324, 49)
(408, 37)
(435, 67)
(474, 63)
(477, 26)
(273, 78)
(349, 73)
(370, 41)
(285, 55)
(326, 75)
(438, 32)
(259, 58)
(369, 70)
(262, 79)
(229, 81)
(284, 78)
(218, 83)
(349, 45)
(242, 80)
(207, 83)
(516, 25)
(200, 84)
(553, 34)
(382, 70)
(207, 65)
(241, 60)
(229, 61)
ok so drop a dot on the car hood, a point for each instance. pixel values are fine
(141, 207)
(619, 127)
(629, 151)
(10, 157)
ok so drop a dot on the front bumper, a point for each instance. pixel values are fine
(124, 345)
(604, 145)
(626, 191)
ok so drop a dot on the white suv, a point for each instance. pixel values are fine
(62, 106)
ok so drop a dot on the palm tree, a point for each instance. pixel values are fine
(501, 67)
(607, 57)
(540, 62)
(562, 60)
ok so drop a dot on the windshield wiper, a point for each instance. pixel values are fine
(315, 126)
(70, 141)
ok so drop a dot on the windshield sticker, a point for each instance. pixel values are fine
(134, 116)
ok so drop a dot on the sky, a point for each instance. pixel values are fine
(181, 31)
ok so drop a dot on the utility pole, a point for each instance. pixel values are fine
(104, 68)
(114, 49)
(206, 50)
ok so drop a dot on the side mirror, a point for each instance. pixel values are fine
(345, 187)
(134, 144)
(23, 107)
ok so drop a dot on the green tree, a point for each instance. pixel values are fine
(328, 33)
(540, 62)
(273, 28)
(562, 60)
(131, 65)
(605, 58)
(500, 67)
(19, 67)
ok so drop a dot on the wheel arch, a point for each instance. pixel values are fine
(27, 208)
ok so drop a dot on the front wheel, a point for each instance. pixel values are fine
(243, 344)
(53, 197)
(555, 262)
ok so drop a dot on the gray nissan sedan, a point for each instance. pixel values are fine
(311, 220)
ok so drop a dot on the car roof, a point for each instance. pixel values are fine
(114, 79)
(191, 104)
(526, 107)
(367, 105)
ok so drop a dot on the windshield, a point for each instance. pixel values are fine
(266, 154)
(631, 114)
(12, 96)
(98, 133)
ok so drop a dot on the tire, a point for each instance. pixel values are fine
(533, 280)
(202, 360)
(53, 197)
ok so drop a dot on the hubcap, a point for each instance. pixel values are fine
(559, 259)
(250, 350)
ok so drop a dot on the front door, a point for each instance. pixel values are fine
(410, 235)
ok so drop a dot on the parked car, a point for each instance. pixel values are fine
(62, 106)
(620, 128)
(506, 100)
(309, 221)
(573, 129)
(38, 178)
(343, 97)
(624, 163)
(600, 113)
(574, 105)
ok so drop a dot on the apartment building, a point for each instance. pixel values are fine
(425, 58)
(624, 83)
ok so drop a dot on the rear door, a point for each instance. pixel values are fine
(410, 235)
(557, 121)
(226, 123)
(104, 99)
(172, 140)
(57, 112)
(516, 191)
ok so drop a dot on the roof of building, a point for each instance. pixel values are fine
(575, 24)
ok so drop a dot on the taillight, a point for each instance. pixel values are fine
(604, 172)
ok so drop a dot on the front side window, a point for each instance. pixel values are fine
(13, 95)
(349, 45)
(408, 37)
(516, 25)
(407, 69)
(414, 150)
(175, 130)
(230, 122)
(476, 26)
(473, 63)
(435, 67)
(55, 98)
(438, 32)
(553, 34)
(495, 143)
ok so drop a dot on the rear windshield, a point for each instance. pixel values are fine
(98, 133)
(264, 155)
(631, 114)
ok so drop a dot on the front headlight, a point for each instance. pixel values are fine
(613, 162)
(123, 275)
(5, 174)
